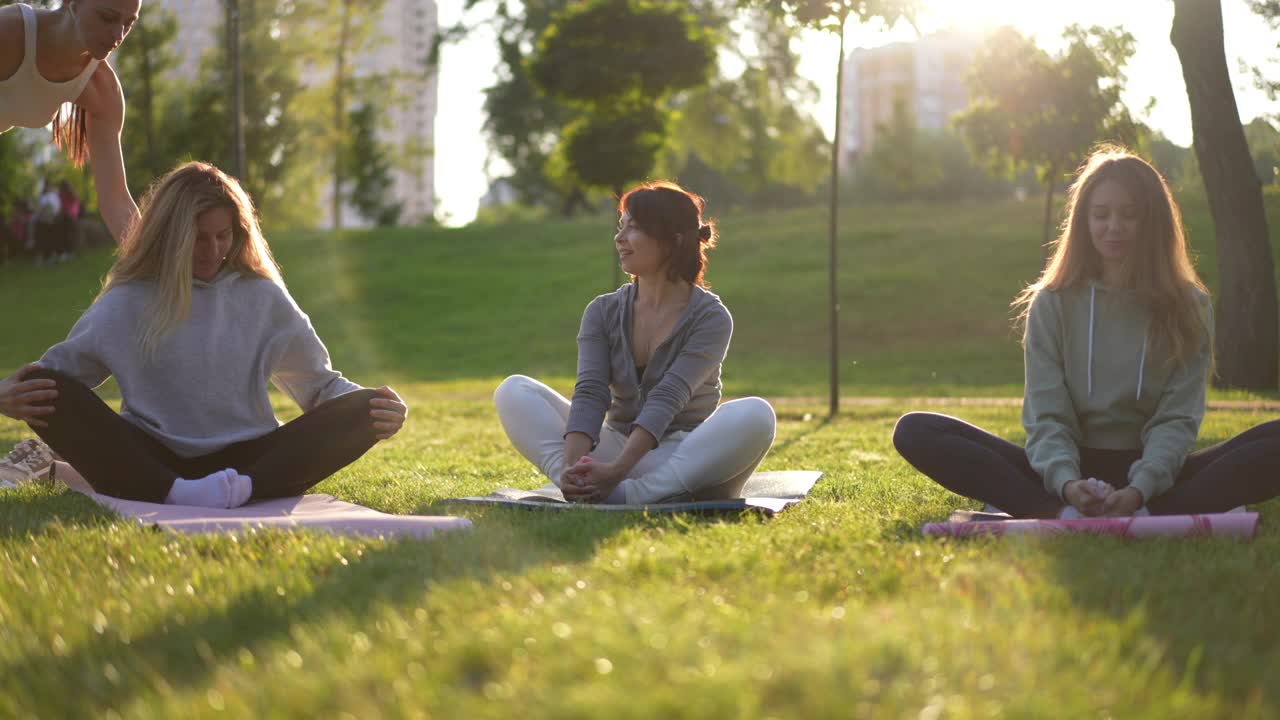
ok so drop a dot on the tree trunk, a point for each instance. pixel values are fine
(833, 298)
(1051, 181)
(1247, 314)
(339, 109)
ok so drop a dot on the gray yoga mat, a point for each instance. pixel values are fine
(764, 492)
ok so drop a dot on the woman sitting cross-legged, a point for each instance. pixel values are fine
(649, 357)
(1118, 347)
(193, 320)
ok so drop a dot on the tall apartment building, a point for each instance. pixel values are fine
(927, 75)
(404, 35)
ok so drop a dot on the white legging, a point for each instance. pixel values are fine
(712, 461)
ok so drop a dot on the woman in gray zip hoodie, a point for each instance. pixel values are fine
(645, 424)
(1118, 349)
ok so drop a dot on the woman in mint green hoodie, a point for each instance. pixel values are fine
(1118, 349)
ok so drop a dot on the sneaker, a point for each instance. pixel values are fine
(29, 461)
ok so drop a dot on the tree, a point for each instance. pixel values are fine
(523, 124)
(17, 175)
(751, 131)
(833, 15)
(1029, 109)
(278, 39)
(143, 63)
(353, 28)
(1264, 146)
(1270, 11)
(370, 167)
(618, 61)
(1246, 339)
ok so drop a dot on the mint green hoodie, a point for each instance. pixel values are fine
(1090, 382)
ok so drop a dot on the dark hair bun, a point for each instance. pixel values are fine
(704, 232)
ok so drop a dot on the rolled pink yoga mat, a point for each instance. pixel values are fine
(1237, 525)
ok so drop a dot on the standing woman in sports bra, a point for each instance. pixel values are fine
(52, 57)
(49, 58)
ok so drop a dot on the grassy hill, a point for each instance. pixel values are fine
(924, 295)
(837, 608)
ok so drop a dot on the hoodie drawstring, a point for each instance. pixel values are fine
(1142, 364)
(1142, 360)
(1093, 292)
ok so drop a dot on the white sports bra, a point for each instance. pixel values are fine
(26, 98)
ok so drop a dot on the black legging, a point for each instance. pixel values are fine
(119, 459)
(972, 462)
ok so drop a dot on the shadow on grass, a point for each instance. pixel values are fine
(185, 653)
(1207, 606)
(31, 511)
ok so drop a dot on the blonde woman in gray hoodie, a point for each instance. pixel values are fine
(194, 321)
(1118, 349)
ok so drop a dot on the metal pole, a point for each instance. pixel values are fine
(834, 299)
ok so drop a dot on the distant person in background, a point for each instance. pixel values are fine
(49, 224)
(13, 234)
(646, 424)
(1118, 349)
(70, 221)
(71, 87)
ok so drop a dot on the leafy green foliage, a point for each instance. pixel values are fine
(615, 145)
(908, 163)
(144, 63)
(617, 61)
(1029, 109)
(606, 50)
(831, 14)
(17, 174)
(752, 131)
(370, 169)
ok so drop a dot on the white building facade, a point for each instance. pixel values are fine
(926, 75)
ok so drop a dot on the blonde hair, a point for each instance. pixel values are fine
(159, 248)
(1158, 269)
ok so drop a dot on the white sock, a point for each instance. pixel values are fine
(1070, 513)
(221, 489)
(212, 491)
(241, 488)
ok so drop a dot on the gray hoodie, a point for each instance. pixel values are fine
(1091, 382)
(681, 383)
(206, 386)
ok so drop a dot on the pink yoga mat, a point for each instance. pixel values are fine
(1237, 525)
(312, 512)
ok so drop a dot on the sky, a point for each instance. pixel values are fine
(464, 165)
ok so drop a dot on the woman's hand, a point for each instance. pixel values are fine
(1087, 495)
(590, 481)
(388, 412)
(1122, 503)
(27, 400)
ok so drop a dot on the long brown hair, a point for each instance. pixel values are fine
(673, 217)
(160, 245)
(1158, 269)
(70, 133)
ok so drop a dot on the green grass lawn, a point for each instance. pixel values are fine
(837, 608)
